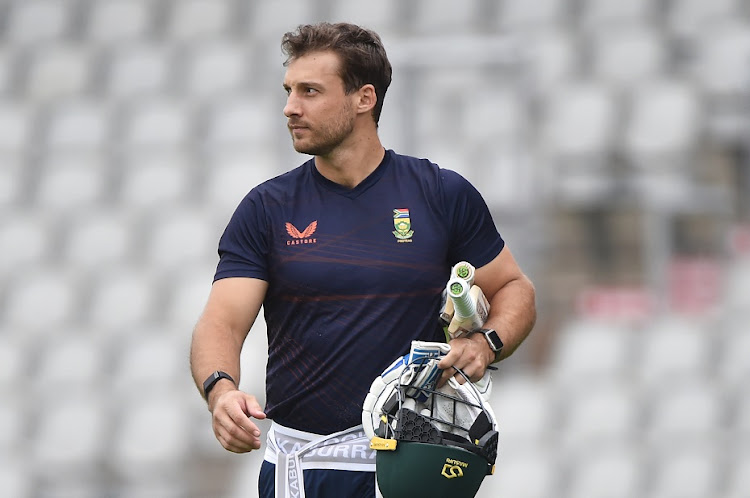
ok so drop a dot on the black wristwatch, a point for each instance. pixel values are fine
(496, 344)
(212, 379)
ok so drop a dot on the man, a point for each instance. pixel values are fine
(348, 255)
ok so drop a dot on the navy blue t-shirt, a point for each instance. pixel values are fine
(354, 276)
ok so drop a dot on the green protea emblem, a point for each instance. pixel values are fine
(402, 224)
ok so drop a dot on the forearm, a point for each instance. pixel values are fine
(513, 313)
(215, 346)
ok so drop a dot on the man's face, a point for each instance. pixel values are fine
(320, 114)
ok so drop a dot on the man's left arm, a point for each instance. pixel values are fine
(512, 314)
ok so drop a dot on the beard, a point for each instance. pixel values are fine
(324, 139)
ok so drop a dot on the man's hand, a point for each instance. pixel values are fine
(472, 354)
(232, 411)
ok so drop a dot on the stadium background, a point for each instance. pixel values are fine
(610, 139)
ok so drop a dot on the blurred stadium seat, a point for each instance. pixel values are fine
(77, 125)
(75, 362)
(179, 238)
(158, 123)
(627, 56)
(118, 21)
(526, 409)
(121, 297)
(687, 18)
(71, 182)
(42, 299)
(151, 442)
(433, 16)
(16, 124)
(671, 349)
(529, 471)
(686, 472)
(31, 22)
(521, 16)
(58, 71)
(601, 416)
(196, 19)
(34, 229)
(589, 352)
(690, 411)
(7, 71)
(139, 68)
(69, 440)
(16, 477)
(616, 471)
(600, 16)
(578, 132)
(151, 361)
(233, 174)
(153, 179)
(98, 240)
(216, 67)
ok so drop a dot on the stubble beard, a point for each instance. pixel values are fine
(329, 136)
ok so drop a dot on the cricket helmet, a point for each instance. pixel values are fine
(437, 442)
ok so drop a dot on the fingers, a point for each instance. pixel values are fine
(232, 423)
(466, 355)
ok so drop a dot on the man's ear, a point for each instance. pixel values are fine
(367, 98)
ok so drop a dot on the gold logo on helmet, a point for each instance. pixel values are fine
(453, 468)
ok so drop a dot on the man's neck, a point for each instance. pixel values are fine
(349, 165)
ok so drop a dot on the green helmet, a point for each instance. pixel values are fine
(421, 452)
(423, 469)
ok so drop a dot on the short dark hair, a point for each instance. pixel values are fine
(360, 50)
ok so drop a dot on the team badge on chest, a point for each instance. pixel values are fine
(402, 225)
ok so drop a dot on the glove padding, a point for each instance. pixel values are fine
(419, 370)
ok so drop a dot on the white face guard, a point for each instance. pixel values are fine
(405, 404)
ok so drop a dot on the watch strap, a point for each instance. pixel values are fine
(212, 379)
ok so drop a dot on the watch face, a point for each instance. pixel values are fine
(495, 342)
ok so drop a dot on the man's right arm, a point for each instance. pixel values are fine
(231, 310)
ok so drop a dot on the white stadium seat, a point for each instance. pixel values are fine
(670, 349)
(610, 413)
(689, 18)
(137, 69)
(589, 352)
(34, 229)
(603, 15)
(525, 408)
(684, 412)
(181, 237)
(71, 182)
(123, 297)
(97, 240)
(58, 71)
(70, 439)
(118, 21)
(16, 126)
(36, 21)
(215, 67)
(191, 19)
(72, 361)
(42, 300)
(151, 440)
(686, 472)
(446, 16)
(158, 124)
(615, 471)
(155, 179)
(530, 471)
(624, 57)
(526, 16)
(78, 125)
